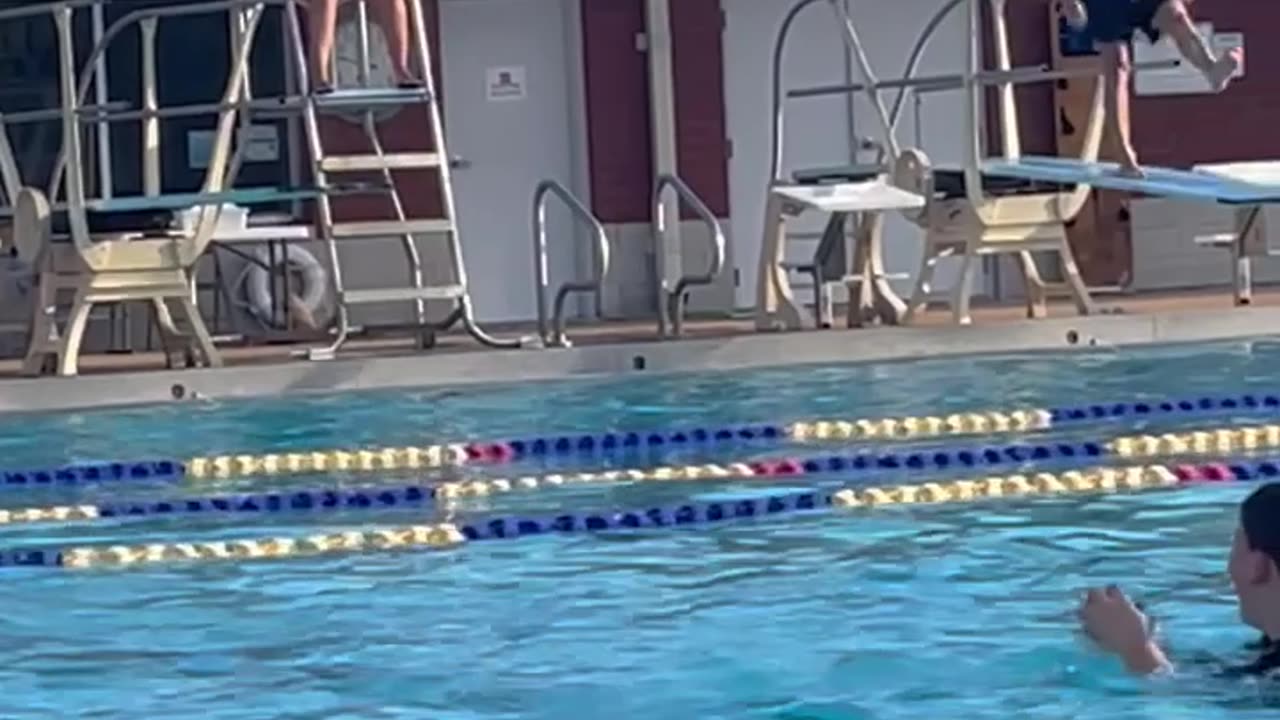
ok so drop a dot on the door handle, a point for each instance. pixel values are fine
(457, 162)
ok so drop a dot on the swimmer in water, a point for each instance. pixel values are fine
(1113, 24)
(1119, 627)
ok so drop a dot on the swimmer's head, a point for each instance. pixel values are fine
(1254, 565)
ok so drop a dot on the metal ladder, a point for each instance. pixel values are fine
(326, 165)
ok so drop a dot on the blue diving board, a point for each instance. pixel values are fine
(1164, 182)
(182, 201)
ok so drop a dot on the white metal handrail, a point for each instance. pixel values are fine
(555, 335)
(671, 299)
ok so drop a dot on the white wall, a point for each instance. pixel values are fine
(818, 129)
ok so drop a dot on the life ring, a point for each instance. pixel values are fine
(312, 297)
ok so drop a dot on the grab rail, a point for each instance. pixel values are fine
(600, 259)
(908, 80)
(671, 301)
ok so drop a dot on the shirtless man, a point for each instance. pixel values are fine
(1112, 24)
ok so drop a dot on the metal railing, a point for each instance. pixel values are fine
(555, 335)
(671, 299)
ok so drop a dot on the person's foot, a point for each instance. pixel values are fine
(1227, 65)
(1075, 13)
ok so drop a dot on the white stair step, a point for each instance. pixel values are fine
(368, 98)
(391, 161)
(385, 228)
(382, 295)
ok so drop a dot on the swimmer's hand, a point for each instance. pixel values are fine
(1112, 621)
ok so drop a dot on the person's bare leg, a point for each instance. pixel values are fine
(1116, 93)
(323, 16)
(393, 16)
(1173, 19)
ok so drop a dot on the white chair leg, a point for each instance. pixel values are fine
(77, 321)
(962, 291)
(203, 341)
(924, 285)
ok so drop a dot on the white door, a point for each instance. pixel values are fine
(507, 117)
(817, 130)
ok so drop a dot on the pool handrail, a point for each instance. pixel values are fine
(671, 299)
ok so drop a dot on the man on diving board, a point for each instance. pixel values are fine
(1113, 24)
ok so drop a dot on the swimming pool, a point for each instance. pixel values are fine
(958, 610)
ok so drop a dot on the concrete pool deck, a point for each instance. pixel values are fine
(631, 347)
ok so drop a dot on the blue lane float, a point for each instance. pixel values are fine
(655, 441)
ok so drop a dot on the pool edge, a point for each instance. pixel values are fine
(743, 352)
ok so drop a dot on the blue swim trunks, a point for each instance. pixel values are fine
(1117, 20)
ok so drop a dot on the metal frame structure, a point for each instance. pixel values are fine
(963, 212)
(114, 258)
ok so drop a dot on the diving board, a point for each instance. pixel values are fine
(1248, 239)
(1241, 187)
(1248, 186)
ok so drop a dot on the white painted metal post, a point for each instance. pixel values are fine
(101, 92)
(150, 102)
(662, 109)
(1008, 103)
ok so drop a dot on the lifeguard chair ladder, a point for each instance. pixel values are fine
(326, 165)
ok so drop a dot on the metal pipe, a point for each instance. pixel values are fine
(1011, 141)
(362, 42)
(29, 10)
(775, 158)
(973, 106)
(917, 53)
(118, 26)
(1025, 75)
(672, 303)
(779, 109)
(101, 89)
(854, 46)
(600, 257)
(151, 103)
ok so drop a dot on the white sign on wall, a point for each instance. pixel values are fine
(262, 144)
(505, 83)
(1184, 79)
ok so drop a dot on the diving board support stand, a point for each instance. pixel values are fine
(1249, 238)
(864, 202)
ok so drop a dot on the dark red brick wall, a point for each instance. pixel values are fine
(698, 58)
(1028, 45)
(618, 128)
(617, 103)
(1175, 131)
(1239, 124)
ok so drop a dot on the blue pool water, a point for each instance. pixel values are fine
(949, 612)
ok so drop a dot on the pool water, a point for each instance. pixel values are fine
(961, 611)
